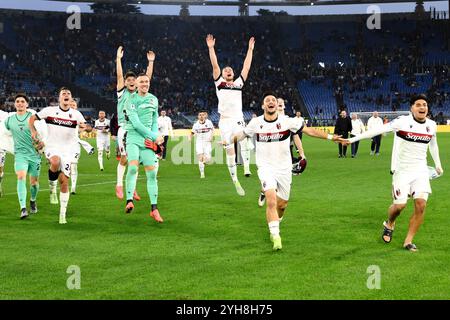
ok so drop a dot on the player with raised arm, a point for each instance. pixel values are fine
(62, 142)
(102, 128)
(203, 129)
(74, 164)
(273, 158)
(415, 134)
(229, 94)
(125, 87)
(27, 160)
(141, 115)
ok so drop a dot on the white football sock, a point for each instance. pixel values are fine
(231, 162)
(201, 167)
(274, 228)
(120, 174)
(64, 201)
(100, 158)
(74, 176)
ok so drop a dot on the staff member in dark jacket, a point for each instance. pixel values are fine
(342, 128)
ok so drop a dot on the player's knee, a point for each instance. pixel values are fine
(398, 207)
(151, 174)
(132, 169)
(420, 205)
(21, 175)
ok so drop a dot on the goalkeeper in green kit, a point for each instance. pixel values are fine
(27, 160)
(142, 142)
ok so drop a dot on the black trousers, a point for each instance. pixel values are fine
(166, 139)
(355, 146)
(343, 149)
(376, 143)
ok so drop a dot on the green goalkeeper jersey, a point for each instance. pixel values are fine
(23, 143)
(141, 114)
(122, 97)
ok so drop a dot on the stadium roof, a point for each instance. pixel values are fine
(251, 2)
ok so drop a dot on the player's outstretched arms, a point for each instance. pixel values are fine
(321, 134)
(248, 59)
(119, 71)
(210, 42)
(372, 133)
(151, 59)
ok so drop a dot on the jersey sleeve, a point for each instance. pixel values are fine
(80, 118)
(251, 128)
(6, 123)
(240, 81)
(155, 132)
(296, 124)
(219, 81)
(43, 114)
(120, 93)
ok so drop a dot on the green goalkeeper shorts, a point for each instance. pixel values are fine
(140, 153)
(33, 168)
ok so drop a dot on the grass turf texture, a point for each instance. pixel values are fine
(214, 244)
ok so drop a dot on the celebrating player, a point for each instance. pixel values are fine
(203, 129)
(103, 143)
(74, 164)
(229, 94)
(27, 160)
(125, 87)
(273, 158)
(414, 135)
(141, 114)
(62, 142)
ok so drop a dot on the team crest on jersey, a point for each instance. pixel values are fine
(397, 192)
(261, 126)
(410, 126)
(428, 129)
(278, 126)
(70, 115)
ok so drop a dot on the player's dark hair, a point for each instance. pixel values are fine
(267, 93)
(22, 95)
(130, 74)
(416, 97)
(64, 89)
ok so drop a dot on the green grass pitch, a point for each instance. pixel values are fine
(215, 244)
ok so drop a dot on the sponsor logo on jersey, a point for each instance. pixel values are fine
(229, 86)
(414, 137)
(61, 122)
(273, 136)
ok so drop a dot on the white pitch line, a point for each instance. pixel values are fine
(80, 185)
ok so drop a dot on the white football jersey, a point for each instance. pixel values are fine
(3, 115)
(100, 126)
(273, 141)
(203, 131)
(411, 143)
(62, 127)
(230, 97)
